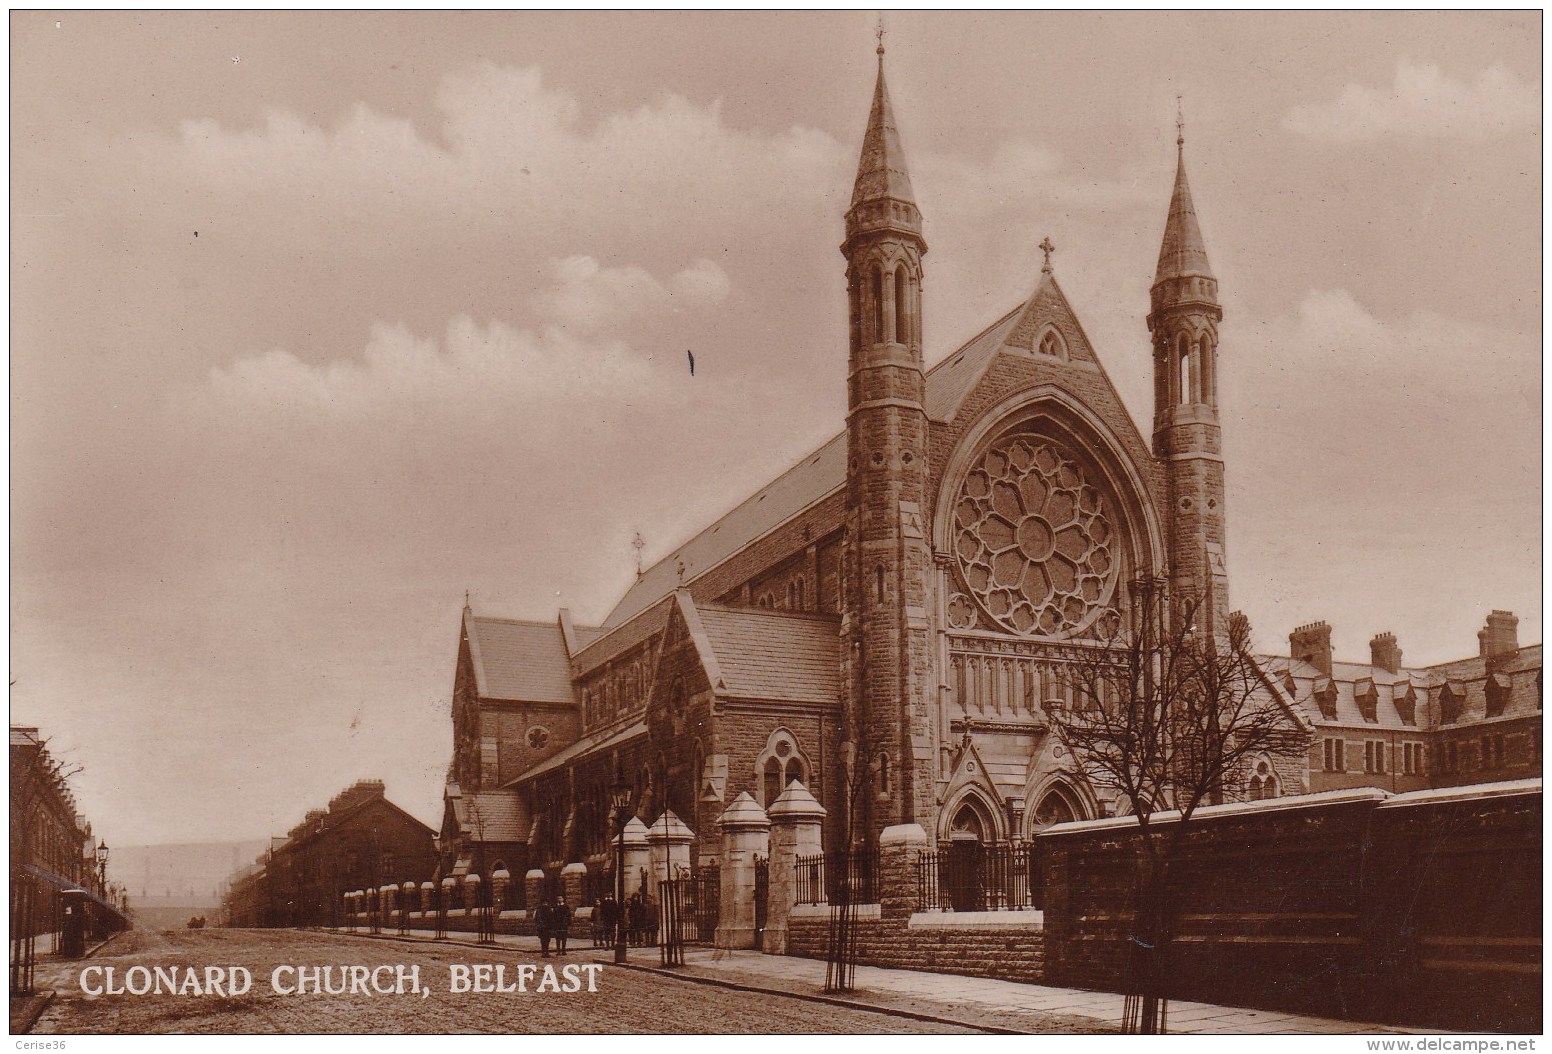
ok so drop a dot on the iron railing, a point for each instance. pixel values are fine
(835, 878)
(974, 877)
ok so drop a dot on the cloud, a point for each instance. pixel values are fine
(1365, 455)
(1424, 102)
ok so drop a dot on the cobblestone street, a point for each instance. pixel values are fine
(625, 1000)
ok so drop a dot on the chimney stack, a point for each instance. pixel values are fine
(1384, 653)
(1312, 644)
(1500, 636)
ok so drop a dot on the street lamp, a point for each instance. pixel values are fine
(102, 866)
(620, 798)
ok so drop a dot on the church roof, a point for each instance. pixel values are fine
(605, 740)
(823, 472)
(492, 816)
(1183, 251)
(881, 169)
(788, 494)
(518, 660)
(764, 654)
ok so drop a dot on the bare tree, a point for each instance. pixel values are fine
(1164, 713)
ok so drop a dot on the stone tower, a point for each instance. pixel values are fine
(884, 616)
(1186, 435)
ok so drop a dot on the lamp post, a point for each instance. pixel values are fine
(102, 867)
(620, 799)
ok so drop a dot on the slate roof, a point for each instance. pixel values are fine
(492, 816)
(1346, 677)
(598, 741)
(817, 476)
(777, 655)
(517, 660)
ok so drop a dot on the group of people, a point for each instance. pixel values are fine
(638, 920)
(552, 919)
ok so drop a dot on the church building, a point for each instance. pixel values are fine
(886, 621)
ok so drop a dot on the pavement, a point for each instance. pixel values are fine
(978, 1002)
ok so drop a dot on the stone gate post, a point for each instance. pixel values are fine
(500, 879)
(746, 834)
(796, 830)
(471, 893)
(533, 889)
(637, 856)
(426, 892)
(573, 884)
(898, 847)
(668, 843)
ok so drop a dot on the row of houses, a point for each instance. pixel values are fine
(360, 840)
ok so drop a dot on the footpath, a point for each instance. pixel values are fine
(978, 1002)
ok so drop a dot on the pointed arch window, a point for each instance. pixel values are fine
(1051, 344)
(1184, 378)
(876, 279)
(1207, 370)
(902, 307)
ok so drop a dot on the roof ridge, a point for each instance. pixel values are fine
(965, 345)
(731, 609)
(536, 623)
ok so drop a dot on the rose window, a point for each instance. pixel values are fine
(1033, 539)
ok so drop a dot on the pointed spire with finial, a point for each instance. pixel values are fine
(1183, 251)
(881, 171)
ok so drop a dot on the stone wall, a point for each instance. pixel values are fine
(1008, 953)
(1420, 909)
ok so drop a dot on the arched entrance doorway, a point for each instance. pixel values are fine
(970, 830)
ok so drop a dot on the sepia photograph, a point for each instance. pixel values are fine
(513, 532)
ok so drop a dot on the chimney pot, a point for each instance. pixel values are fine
(1311, 643)
(1384, 653)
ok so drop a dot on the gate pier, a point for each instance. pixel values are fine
(745, 839)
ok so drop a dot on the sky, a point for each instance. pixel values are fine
(320, 320)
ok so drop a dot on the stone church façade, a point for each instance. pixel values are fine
(894, 606)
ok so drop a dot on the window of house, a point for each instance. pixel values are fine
(1367, 697)
(1411, 758)
(1405, 700)
(1492, 752)
(1374, 756)
(1497, 691)
(1325, 698)
(1452, 699)
(1335, 755)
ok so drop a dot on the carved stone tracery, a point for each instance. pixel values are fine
(1033, 540)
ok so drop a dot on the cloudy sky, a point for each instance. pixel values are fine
(320, 320)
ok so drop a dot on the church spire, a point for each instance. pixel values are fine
(1183, 251)
(881, 171)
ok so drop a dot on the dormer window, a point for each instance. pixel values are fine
(1404, 698)
(1497, 688)
(1452, 700)
(1325, 698)
(1367, 698)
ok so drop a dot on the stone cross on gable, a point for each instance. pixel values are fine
(1048, 248)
